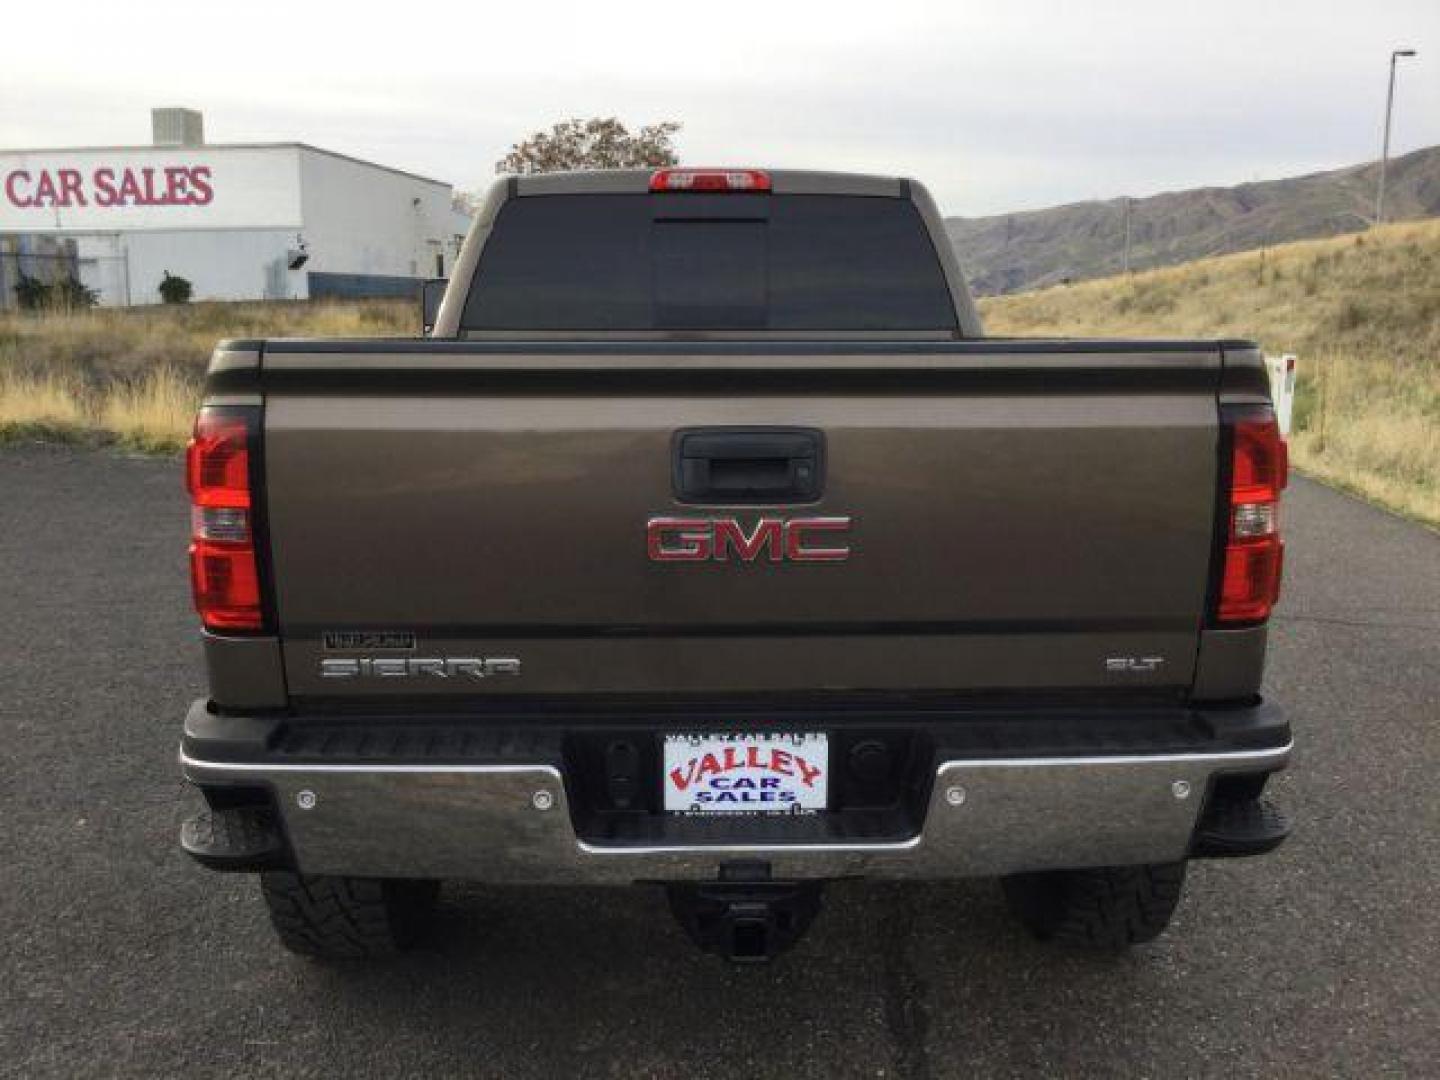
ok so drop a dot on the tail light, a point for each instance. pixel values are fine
(1254, 552)
(224, 573)
(710, 180)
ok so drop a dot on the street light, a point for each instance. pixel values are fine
(1385, 143)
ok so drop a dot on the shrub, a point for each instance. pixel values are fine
(31, 293)
(175, 290)
(69, 294)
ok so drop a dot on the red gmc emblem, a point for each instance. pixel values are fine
(698, 539)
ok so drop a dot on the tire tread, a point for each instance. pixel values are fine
(345, 917)
(1110, 908)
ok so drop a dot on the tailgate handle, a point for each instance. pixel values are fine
(739, 466)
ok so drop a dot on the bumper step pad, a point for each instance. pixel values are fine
(242, 838)
(1232, 828)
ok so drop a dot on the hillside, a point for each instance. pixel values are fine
(1011, 252)
(1362, 312)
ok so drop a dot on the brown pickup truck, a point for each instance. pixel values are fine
(706, 542)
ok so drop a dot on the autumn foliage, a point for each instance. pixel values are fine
(592, 144)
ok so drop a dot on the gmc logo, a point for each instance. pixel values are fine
(804, 539)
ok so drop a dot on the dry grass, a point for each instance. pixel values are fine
(133, 375)
(153, 412)
(1362, 312)
(39, 404)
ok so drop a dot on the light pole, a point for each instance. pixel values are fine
(1129, 206)
(1385, 142)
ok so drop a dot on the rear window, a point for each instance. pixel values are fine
(708, 262)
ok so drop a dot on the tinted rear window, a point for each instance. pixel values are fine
(698, 262)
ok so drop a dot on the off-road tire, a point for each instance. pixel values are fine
(345, 918)
(1110, 908)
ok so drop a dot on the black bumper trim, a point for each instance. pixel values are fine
(978, 734)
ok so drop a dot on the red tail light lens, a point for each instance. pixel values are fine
(224, 575)
(710, 180)
(226, 586)
(1254, 552)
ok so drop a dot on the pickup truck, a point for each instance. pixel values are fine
(707, 543)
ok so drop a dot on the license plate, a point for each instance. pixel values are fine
(746, 773)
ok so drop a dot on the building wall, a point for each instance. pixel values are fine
(328, 286)
(230, 219)
(225, 264)
(362, 221)
(46, 258)
(221, 217)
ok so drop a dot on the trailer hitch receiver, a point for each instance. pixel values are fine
(745, 921)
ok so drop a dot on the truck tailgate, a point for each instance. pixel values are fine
(1023, 516)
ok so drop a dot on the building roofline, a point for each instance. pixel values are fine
(227, 146)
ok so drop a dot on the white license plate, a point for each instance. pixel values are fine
(746, 773)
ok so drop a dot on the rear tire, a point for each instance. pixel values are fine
(1110, 908)
(347, 917)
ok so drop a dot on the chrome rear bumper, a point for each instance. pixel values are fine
(511, 823)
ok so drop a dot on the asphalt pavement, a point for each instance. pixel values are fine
(120, 957)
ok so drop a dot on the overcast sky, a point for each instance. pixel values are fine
(1000, 105)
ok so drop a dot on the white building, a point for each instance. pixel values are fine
(239, 221)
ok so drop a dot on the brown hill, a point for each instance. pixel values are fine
(1010, 252)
